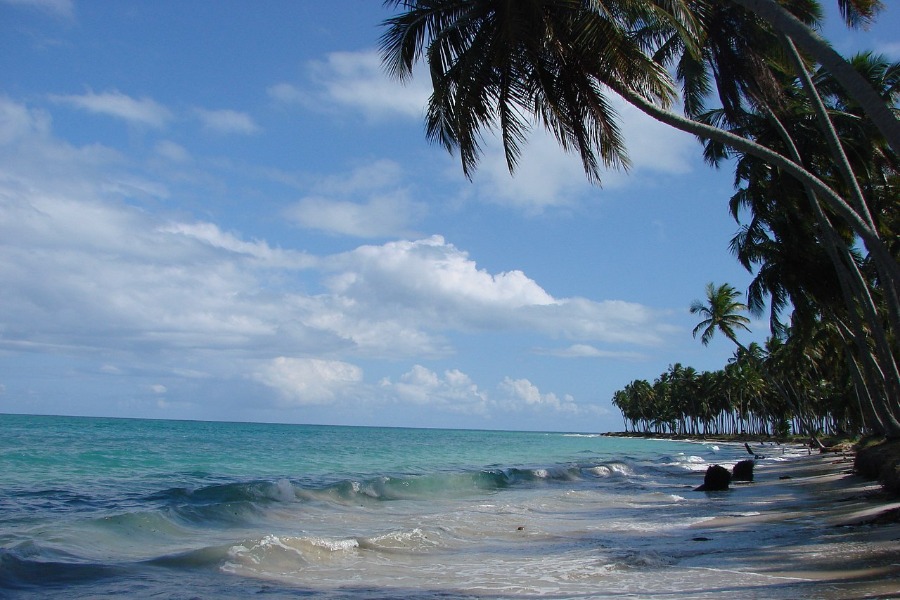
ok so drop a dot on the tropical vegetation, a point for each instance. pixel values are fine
(814, 141)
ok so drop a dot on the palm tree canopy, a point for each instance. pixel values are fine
(500, 65)
(859, 13)
(721, 312)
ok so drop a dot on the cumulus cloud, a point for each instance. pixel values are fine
(433, 284)
(143, 111)
(429, 281)
(370, 201)
(522, 393)
(227, 121)
(452, 390)
(309, 381)
(88, 269)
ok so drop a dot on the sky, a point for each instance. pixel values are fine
(226, 211)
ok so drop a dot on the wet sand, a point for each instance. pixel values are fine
(804, 527)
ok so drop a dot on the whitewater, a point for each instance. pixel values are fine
(93, 507)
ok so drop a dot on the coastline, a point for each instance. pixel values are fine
(820, 525)
(808, 523)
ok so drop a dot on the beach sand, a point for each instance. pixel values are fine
(805, 528)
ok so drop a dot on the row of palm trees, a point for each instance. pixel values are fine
(814, 140)
(791, 386)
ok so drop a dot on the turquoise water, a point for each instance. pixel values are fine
(137, 508)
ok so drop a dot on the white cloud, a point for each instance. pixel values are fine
(173, 152)
(267, 257)
(371, 201)
(355, 80)
(309, 381)
(144, 111)
(522, 391)
(380, 216)
(227, 121)
(546, 177)
(432, 273)
(18, 122)
(64, 9)
(433, 285)
(453, 391)
(287, 93)
(90, 268)
(588, 351)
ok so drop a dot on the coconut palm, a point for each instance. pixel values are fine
(855, 12)
(721, 312)
(499, 65)
(506, 66)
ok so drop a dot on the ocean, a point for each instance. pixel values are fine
(95, 507)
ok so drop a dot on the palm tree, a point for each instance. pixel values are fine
(496, 64)
(506, 66)
(721, 312)
(503, 65)
(855, 12)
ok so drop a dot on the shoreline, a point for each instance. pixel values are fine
(808, 522)
(874, 459)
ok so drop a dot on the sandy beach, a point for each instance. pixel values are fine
(805, 528)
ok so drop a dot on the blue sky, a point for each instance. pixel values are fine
(224, 210)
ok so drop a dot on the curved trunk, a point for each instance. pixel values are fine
(840, 158)
(881, 256)
(885, 376)
(853, 83)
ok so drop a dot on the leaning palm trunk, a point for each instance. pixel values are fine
(493, 63)
(857, 296)
(853, 83)
(883, 372)
(881, 256)
(887, 265)
(840, 158)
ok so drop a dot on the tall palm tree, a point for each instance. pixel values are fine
(508, 65)
(721, 312)
(503, 65)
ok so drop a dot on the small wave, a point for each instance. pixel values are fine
(29, 566)
(686, 462)
(401, 542)
(611, 469)
(286, 555)
(274, 554)
(280, 490)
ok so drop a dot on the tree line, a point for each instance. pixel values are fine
(813, 138)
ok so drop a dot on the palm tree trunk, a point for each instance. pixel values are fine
(854, 287)
(852, 82)
(840, 157)
(882, 257)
